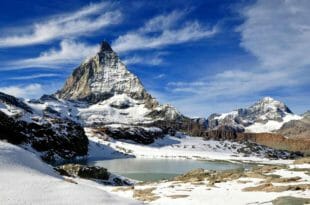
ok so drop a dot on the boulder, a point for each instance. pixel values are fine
(83, 171)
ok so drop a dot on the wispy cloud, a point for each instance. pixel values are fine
(73, 24)
(278, 38)
(35, 76)
(161, 31)
(28, 91)
(160, 76)
(234, 83)
(154, 59)
(70, 52)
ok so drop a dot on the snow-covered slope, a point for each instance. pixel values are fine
(266, 115)
(55, 136)
(25, 179)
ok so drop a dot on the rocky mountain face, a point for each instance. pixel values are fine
(55, 137)
(266, 115)
(102, 94)
(297, 128)
(102, 77)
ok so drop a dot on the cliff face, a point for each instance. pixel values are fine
(102, 77)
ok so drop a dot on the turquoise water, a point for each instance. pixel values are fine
(156, 169)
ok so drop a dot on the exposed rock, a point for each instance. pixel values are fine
(145, 194)
(304, 160)
(289, 200)
(269, 187)
(137, 134)
(101, 77)
(11, 100)
(83, 171)
(113, 95)
(296, 128)
(53, 136)
(277, 141)
(194, 175)
(262, 111)
(272, 140)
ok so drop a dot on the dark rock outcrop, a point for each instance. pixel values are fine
(137, 134)
(99, 174)
(83, 171)
(53, 136)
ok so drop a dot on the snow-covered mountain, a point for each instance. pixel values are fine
(266, 115)
(111, 93)
(101, 94)
(102, 77)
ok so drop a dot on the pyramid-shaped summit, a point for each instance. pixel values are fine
(101, 77)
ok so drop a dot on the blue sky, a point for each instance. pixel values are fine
(202, 56)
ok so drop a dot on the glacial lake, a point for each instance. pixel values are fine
(156, 169)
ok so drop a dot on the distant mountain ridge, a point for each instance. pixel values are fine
(266, 115)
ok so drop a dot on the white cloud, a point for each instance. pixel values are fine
(160, 76)
(278, 33)
(81, 22)
(35, 76)
(161, 31)
(70, 52)
(153, 60)
(28, 91)
(234, 83)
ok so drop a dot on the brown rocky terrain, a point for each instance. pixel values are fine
(273, 140)
(297, 128)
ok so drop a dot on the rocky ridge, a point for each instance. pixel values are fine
(266, 115)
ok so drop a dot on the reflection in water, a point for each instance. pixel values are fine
(154, 169)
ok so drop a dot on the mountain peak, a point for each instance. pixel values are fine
(101, 77)
(267, 99)
(270, 105)
(105, 47)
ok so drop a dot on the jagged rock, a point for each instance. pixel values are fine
(101, 77)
